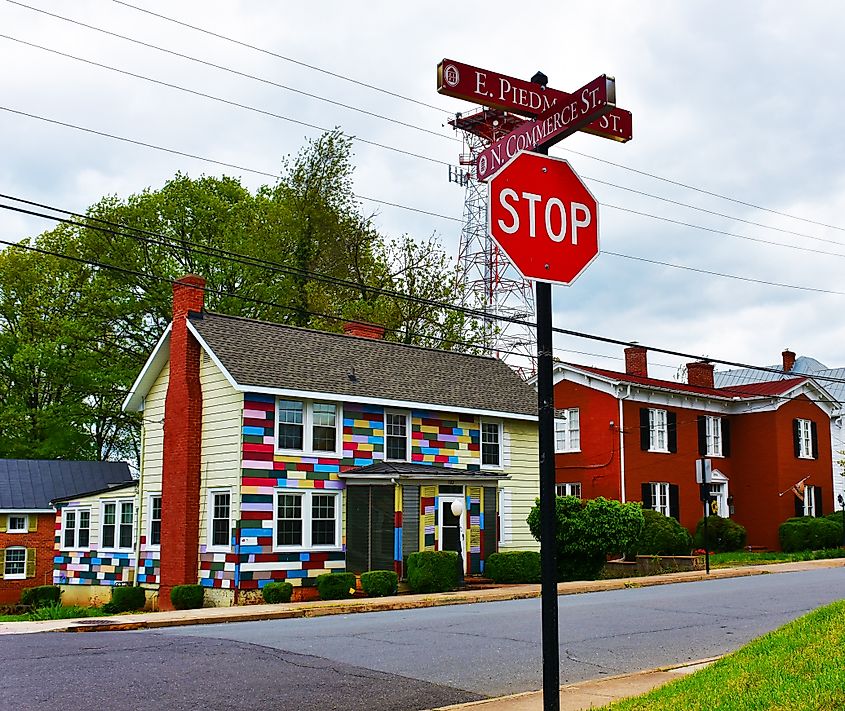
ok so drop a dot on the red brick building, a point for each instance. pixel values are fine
(632, 437)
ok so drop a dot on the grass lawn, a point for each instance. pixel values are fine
(799, 667)
(731, 560)
(55, 613)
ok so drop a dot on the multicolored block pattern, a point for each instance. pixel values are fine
(445, 441)
(149, 563)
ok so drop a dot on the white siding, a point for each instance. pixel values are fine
(521, 461)
(152, 445)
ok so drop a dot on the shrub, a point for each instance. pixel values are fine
(661, 535)
(379, 583)
(186, 597)
(809, 534)
(514, 567)
(724, 535)
(274, 593)
(126, 599)
(433, 571)
(57, 611)
(587, 531)
(41, 596)
(336, 586)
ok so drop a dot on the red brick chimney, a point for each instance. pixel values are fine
(636, 361)
(180, 486)
(363, 330)
(788, 360)
(700, 373)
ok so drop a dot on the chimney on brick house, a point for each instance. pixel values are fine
(180, 474)
(363, 330)
(788, 360)
(700, 373)
(636, 361)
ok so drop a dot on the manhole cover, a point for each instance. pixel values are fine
(95, 622)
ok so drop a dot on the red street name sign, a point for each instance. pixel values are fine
(589, 103)
(481, 86)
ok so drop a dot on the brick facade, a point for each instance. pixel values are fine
(41, 541)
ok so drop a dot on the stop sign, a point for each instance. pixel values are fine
(544, 218)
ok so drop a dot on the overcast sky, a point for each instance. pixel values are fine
(739, 99)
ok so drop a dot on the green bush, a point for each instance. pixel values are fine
(587, 531)
(186, 597)
(274, 593)
(124, 599)
(513, 567)
(336, 586)
(41, 596)
(433, 571)
(809, 534)
(724, 535)
(379, 583)
(661, 535)
(57, 611)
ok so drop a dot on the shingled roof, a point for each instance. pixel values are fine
(31, 484)
(259, 354)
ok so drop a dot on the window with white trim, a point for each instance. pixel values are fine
(76, 528)
(307, 426)
(219, 519)
(810, 500)
(660, 496)
(805, 439)
(572, 488)
(307, 520)
(491, 444)
(396, 436)
(154, 538)
(567, 430)
(658, 431)
(18, 523)
(713, 436)
(116, 527)
(15, 565)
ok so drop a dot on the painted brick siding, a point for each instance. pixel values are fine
(39, 540)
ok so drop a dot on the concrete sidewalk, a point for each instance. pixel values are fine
(215, 615)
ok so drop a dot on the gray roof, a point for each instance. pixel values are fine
(31, 484)
(825, 377)
(415, 470)
(270, 355)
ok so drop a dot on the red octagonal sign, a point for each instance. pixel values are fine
(544, 218)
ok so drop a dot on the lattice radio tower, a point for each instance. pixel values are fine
(489, 282)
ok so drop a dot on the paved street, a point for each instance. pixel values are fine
(406, 659)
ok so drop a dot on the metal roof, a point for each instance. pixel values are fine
(416, 471)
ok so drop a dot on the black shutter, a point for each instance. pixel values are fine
(672, 428)
(814, 434)
(702, 435)
(726, 437)
(644, 429)
(796, 438)
(489, 537)
(799, 506)
(675, 502)
(648, 501)
(817, 492)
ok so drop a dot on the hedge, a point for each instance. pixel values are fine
(336, 586)
(513, 567)
(724, 535)
(380, 583)
(186, 597)
(661, 535)
(433, 571)
(274, 593)
(125, 599)
(41, 596)
(809, 534)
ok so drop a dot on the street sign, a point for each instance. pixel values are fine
(544, 218)
(588, 104)
(499, 91)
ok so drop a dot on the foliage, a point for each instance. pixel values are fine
(57, 611)
(380, 583)
(276, 592)
(730, 560)
(336, 586)
(41, 596)
(723, 535)
(125, 599)
(187, 597)
(809, 533)
(587, 531)
(433, 571)
(661, 535)
(513, 567)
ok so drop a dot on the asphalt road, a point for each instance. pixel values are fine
(401, 660)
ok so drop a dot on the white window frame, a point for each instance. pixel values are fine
(500, 433)
(408, 439)
(307, 496)
(571, 439)
(77, 510)
(210, 546)
(118, 522)
(713, 436)
(810, 499)
(14, 576)
(569, 488)
(660, 496)
(658, 425)
(308, 428)
(150, 544)
(25, 528)
(805, 439)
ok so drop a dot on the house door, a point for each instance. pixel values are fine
(452, 529)
(719, 490)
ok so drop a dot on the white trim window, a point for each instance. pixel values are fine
(491, 444)
(805, 439)
(308, 426)
(572, 488)
(18, 523)
(116, 525)
(76, 528)
(713, 436)
(14, 567)
(219, 520)
(660, 495)
(568, 430)
(396, 436)
(809, 499)
(154, 533)
(307, 520)
(658, 431)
